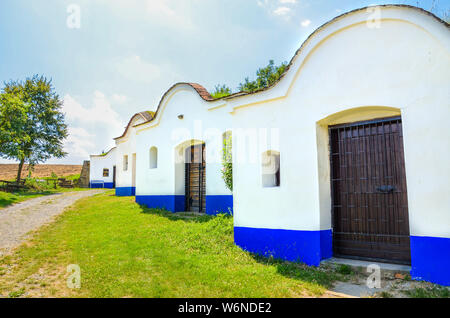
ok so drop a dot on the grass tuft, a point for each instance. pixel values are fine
(429, 292)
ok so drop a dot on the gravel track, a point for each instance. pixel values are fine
(18, 220)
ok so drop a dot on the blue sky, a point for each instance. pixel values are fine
(127, 53)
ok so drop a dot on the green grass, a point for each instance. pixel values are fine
(429, 292)
(344, 269)
(124, 250)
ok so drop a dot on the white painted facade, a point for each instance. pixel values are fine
(183, 119)
(346, 72)
(352, 69)
(126, 157)
(98, 164)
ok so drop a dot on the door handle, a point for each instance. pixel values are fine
(386, 189)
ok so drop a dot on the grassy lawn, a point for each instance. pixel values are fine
(124, 250)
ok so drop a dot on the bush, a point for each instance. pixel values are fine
(227, 161)
(36, 185)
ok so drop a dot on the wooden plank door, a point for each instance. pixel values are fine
(369, 195)
(196, 179)
(114, 177)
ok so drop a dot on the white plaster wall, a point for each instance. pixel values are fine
(126, 146)
(98, 163)
(167, 132)
(402, 67)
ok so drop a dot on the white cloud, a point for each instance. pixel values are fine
(305, 23)
(79, 143)
(282, 11)
(119, 98)
(169, 13)
(134, 68)
(172, 13)
(91, 129)
(100, 113)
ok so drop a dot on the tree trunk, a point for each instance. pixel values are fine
(19, 173)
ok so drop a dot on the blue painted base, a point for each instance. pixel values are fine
(309, 247)
(216, 204)
(109, 185)
(125, 191)
(96, 185)
(172, 203)
(430, 259)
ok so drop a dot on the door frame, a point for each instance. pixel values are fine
(333, 221)
(114, 176)
(202, 185)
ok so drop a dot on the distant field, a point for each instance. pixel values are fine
(9, 171)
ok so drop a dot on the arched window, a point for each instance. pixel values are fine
(125, 163)
(153, 158)
(270, 169)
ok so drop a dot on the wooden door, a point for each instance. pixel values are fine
(114, 177)
(369, 195)
(196, 179)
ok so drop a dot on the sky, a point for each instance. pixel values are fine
(123, 55)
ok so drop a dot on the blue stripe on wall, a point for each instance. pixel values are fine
(96, 185)
(172, 203)
(125, 191)
(430, 259)
(216, 204)
(309, 247)
(109, 185)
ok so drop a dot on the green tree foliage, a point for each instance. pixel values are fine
(32, 127)
(227, 161)
(266, 77)
(221, 91)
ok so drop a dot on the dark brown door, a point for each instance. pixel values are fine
(196, 179)
(114, 177)
(370, 206)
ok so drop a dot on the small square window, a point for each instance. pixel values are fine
(106, 172)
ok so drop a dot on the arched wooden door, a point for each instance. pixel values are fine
(370, 204)
(195, 179)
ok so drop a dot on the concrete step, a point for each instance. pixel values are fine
(361, 266)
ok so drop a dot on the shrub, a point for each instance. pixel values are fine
(227, 161)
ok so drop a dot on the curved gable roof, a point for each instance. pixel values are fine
(147, 116)
(203, 93)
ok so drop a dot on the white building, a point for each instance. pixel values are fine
(126, 156)
(179, 153)
(362, 116)
(103, 170)
(346, 155)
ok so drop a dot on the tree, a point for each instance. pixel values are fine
(227, 161)
(266, 77)
(221, 91)
(32, 127)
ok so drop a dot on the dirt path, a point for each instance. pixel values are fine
(18, 220)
